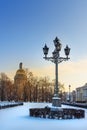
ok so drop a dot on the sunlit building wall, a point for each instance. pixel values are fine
(81, 93)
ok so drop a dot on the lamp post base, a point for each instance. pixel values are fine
(56, 102)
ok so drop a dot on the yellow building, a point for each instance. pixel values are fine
(20, 81)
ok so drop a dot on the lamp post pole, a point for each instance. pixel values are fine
(56, 76)
(56, 59)
(69, 93)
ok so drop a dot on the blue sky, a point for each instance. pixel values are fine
(26, 25)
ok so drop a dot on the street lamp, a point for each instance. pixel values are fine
(56, 59)
(69, 93)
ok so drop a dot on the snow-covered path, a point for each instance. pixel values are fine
(17, 118)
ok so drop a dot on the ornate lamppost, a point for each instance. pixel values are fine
(56, 59)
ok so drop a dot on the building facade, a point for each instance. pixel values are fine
(81, 93)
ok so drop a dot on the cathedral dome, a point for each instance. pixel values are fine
(20, 81)
(20, 73)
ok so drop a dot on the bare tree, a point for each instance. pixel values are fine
(6, 87)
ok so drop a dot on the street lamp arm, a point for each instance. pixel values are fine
(63, 58)
(50, 59)
(54, 60)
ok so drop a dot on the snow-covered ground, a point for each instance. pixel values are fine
(17, 118)
(5, 104)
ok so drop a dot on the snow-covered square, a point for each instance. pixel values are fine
(17, 118)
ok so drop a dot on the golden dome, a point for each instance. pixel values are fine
(20, 72)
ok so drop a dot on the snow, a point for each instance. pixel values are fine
(55, 98)
(17, 118)
(7, 103)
